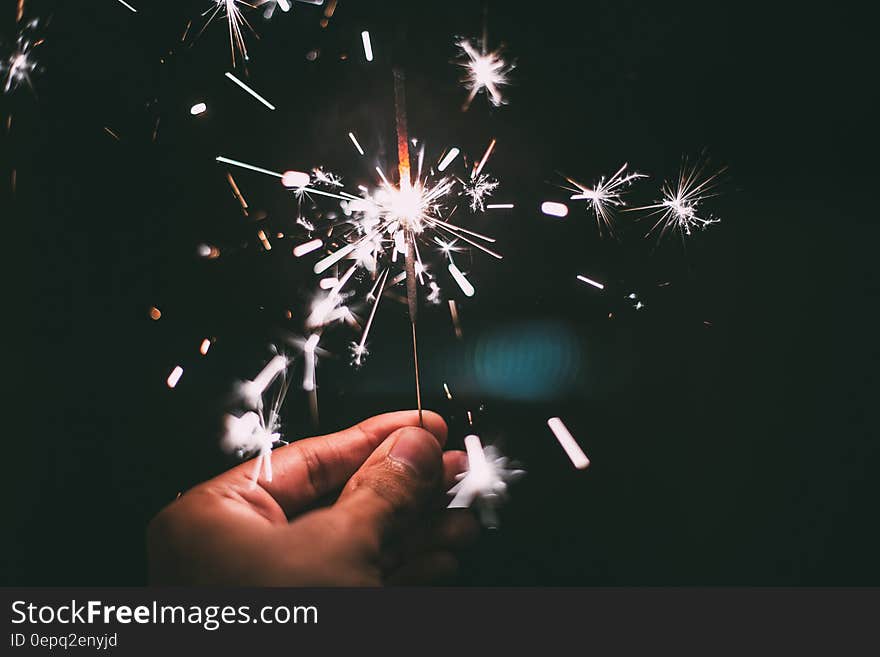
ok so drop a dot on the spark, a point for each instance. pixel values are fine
(605, 195)
(174, 377)
(203, 348)
(479, 168)
(244, 165)
(258, 430)
(123, 2)
(485, 481)
(477, 189)
(483, 72)
(448, 159)
(569, 444)
(235, 21)
(249, 90)
(554, 209)
(355, 142)
(20, 66)
(679, 208)
(111, 133)
(463, 283)
(590, 281)
(198, 108)
(359, 350)
(368, 46)
(155, 314)
(307, 247)
(499, 206)
(295, 179)
(446, 390)
(236, 192)
(453, 313)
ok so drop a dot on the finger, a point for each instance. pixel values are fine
(399, 480)
(313, 467)
(433, 568)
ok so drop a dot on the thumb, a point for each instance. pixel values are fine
(401, 477)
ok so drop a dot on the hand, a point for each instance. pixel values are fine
(388, 525)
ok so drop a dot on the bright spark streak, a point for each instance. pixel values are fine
(355, 142)
(590, 281)
(244, 165)
(604, 195)
(483, 72)
(499, 206)
(569, 444)
(453, 313)
(174, 377)
(203, 348)
(123, 2)
(249, 90)
(198, 108)
(463, 283)
(309, 353)
(229, 10)
(485, 158)
(307, 247)
(554, 209)
(446, 390)
(368, 47)
(446, 161)
(359, 350)
(328, 283)
(252, 391)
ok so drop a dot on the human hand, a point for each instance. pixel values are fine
(388, 525)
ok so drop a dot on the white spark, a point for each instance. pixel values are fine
(554, 209)
(681, 201)
(483, 72)
(477, 189)
(368, 47)
(590, 281)
(249, 90)
(569, 444)
(174, 377)
(198, 108)
(605, 195)
(307, 247)
(123, 2)
(235, 22)
(484, 482)
(355, 142)
(463, 283)
(448, 159)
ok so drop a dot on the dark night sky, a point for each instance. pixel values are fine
(738, 453)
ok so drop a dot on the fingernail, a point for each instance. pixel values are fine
(418, 449)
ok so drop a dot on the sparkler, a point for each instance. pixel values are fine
(679, 209)
(484, 71)
(484, 484)
(605, 195)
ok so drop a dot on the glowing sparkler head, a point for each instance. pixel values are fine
(484, 72)
(605, 195)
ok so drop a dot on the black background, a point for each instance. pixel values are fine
(740, 452)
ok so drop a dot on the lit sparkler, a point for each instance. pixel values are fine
(679, 208)
(605, 195)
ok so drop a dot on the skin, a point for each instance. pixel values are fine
(387, 525)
